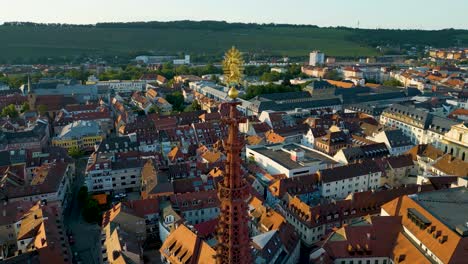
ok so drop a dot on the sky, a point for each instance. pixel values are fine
(414, 14)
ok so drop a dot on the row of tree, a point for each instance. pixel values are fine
(255, 90)
(10, 110)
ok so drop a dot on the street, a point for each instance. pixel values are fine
(87, 246)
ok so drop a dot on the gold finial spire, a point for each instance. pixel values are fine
(233, 66)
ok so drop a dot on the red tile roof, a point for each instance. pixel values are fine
(143, 208)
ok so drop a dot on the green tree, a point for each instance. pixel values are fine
(182, 70)
(214, 78)
(10, 111)
(91, 211)
(42, 109)
(14, 81)
(294, 69)
(195, 106)
(270, 77)
(154, 109)
(255, 90)
(211, 69)
(393, 82)
(75, 152)
(332, 75)
(83, 195)
(140, 112)
(176, 99)
(25, 107)
(256, 70)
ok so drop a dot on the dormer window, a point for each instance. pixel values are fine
(169, 219)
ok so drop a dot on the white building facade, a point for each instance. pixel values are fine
(316, 58)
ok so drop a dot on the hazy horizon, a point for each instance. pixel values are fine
(370, 14)
(231, 22)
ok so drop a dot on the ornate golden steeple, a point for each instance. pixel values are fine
(233, 68)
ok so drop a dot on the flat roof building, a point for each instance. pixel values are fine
(291, 159)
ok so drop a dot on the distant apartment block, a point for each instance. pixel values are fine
(316, 58)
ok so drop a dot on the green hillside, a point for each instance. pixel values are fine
(27, 42)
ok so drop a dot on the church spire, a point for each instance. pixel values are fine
(233, 191)
(29, 84)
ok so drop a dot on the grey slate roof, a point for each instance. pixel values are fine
(446, 206)
(113, 144)
(396, 138)
(365, 152)
(439, 124)
(348, 171)
(37, 133)
(422, 118)
(79, 129)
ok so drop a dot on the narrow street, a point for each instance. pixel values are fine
(87, 241)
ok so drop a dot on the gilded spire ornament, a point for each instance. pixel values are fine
(233, 68)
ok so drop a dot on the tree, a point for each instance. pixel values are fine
(255, 90)
(214, 78)
(80, 74)
(75, 152)
(176, 99)
(42, 109)
(256, 70)
(25, 107)
(10, 111)
(393, 82)
(332, 75)
(154, 109)
(294, 69)
(270, 77)
(195, 106)
(83, 195)
(91, 211)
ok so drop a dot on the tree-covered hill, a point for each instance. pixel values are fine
(22, 42)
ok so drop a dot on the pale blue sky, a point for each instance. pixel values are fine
(420, 14)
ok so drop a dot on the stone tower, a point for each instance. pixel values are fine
(233, 191)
